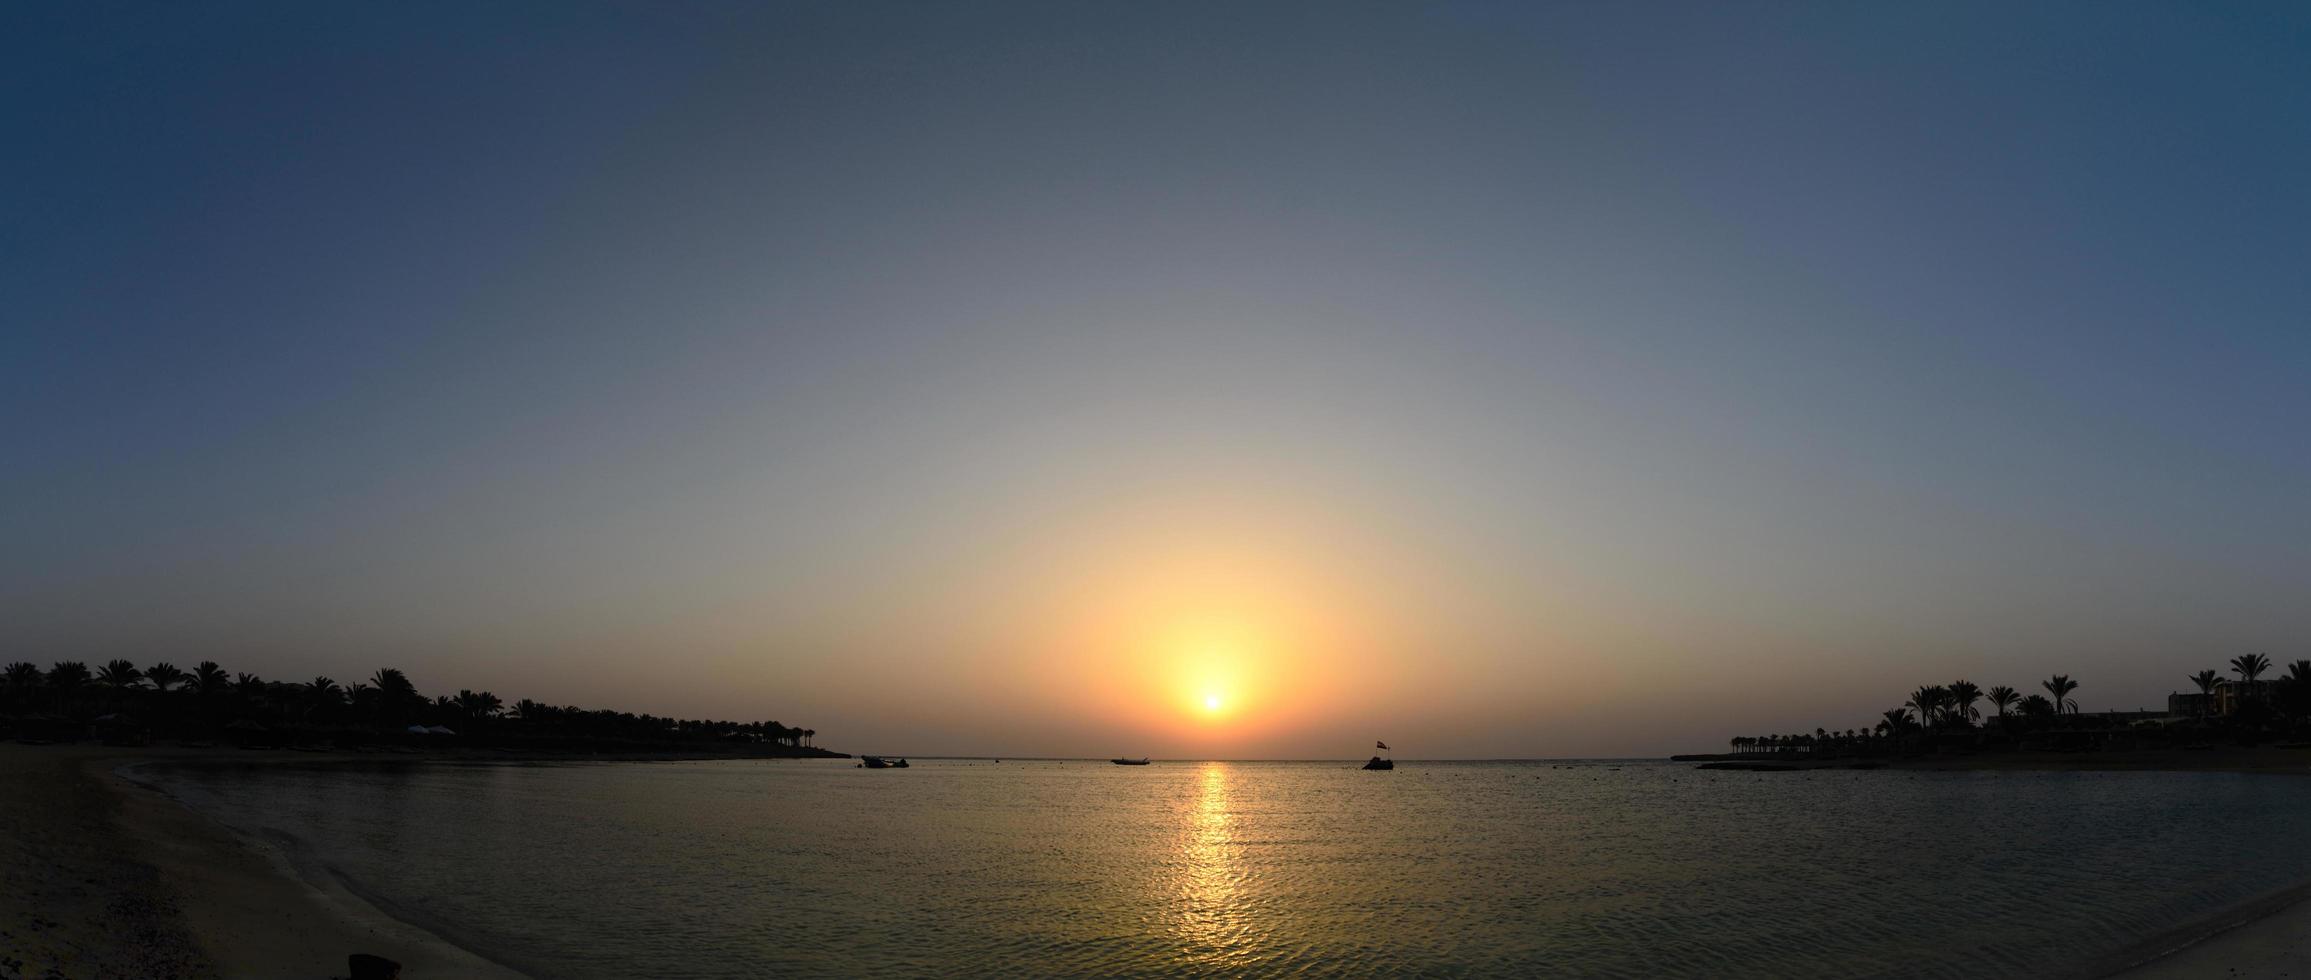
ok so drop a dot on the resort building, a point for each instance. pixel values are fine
(2226, 698)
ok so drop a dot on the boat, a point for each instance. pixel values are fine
(878, 762)
(1380, 763)
(1129, 762)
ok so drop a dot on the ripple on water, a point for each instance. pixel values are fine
(1280, 869)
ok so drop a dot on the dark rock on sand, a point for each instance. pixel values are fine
(367, 967)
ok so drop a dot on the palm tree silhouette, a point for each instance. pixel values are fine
(17, 683)
(322, 695)
(2060, 685)
(120, 675)
(2250, 666)
(2206, 680)
(163, 675)
(1898, 721)
(477, 705)
(2003, 697)
(208, 678)
(1930, 701)
(21, 676)
(2294, 689)
(1963, 694)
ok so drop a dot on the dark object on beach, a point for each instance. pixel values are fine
(367, 967)
(1380, 763)
(119, 729)
(1129, 762)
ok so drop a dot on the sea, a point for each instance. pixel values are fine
(1586, 868)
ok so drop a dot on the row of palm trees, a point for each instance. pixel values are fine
(1953, 707)
(207, 698)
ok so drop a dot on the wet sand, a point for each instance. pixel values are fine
(2265, 940)
(108, 878)
(76, 900)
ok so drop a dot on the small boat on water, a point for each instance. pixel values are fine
(1378, 762)
(1129, 762)
(878, 762)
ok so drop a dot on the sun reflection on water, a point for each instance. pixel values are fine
(1213, 923)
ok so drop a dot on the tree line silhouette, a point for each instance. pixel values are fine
(1945, 715)
(117, 701)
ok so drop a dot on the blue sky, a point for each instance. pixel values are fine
(1614, 367)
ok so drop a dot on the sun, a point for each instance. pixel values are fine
(1211, 702)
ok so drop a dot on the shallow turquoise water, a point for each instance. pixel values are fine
(746, 869)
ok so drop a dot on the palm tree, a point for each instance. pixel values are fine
(2206, 680)
(477, 705)
(1929, 702)
(65, 678)
(248, 686)
(1963, 694)
(2295, 688)
(208, 678)
(2037, 708)
(322, 695)
(18, 683)
(2250, 666)
(2060, 685)
(363, 698)
(65, 675)
(120, 675)
(1898, 721)
(2003, 697)
(163, 675)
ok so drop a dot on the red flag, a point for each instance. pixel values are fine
(1381, 744)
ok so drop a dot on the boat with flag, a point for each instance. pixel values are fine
(1378, 761)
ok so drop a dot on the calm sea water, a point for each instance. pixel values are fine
(750, 869)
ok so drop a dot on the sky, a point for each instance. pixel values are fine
(1522, 380)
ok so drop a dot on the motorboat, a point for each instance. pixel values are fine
(1129, 762)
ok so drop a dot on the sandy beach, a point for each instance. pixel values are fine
(2264, 940)
(107, 878)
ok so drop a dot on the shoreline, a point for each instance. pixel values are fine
(2263, 938)
(2267, 937)
(110, 875)
(2259, 760)
(254, 909)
